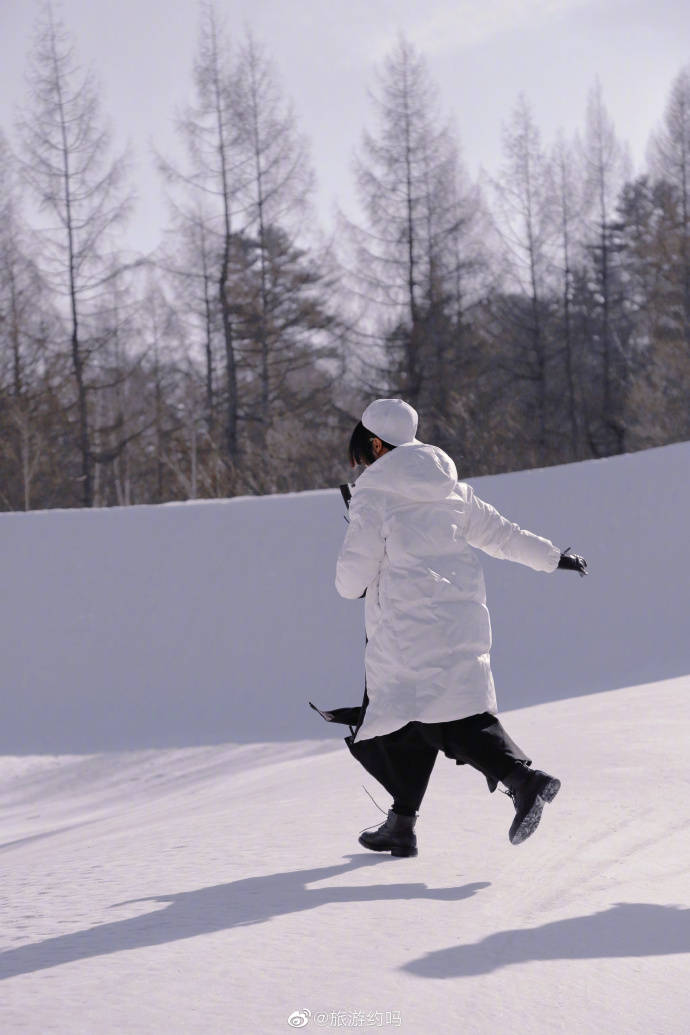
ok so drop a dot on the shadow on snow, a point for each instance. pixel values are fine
(192, 913)
(624, 930)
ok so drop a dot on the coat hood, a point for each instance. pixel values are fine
(415, 471)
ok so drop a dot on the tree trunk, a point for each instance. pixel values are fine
(226, 316)
(77, 358)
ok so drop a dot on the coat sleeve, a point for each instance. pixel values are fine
(491, 532)
(362, 551)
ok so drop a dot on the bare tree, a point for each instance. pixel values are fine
(606, 165)
(650, 214)
(392, 172)
(65, 161)
(414, 254)
(278, 183)
(188, 260)
(567, 182)
(670, 161)
(30, 370)
(282, 288)
(215, 174)
(525, 205)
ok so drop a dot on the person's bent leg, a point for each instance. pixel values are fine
(482, 742)
(402, 762)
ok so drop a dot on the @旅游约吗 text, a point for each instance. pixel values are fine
(345, 1018)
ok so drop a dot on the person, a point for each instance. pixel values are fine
(409, 550)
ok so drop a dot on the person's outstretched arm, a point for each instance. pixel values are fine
(489, 531)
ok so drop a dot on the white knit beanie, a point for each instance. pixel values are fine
(392, 420)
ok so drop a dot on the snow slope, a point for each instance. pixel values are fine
(221, 889)
(207, 622)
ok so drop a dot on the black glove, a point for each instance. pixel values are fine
(573, 562)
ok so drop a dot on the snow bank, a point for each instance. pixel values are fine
(209, 622)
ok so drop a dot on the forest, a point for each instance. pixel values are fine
(536, 316)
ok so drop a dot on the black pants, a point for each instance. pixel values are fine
(402, 761)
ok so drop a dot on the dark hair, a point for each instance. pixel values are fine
(360, 450)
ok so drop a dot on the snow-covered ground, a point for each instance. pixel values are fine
(221, 889)
(178, 830)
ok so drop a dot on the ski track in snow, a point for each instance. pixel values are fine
(219, 889)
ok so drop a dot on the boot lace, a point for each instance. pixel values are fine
(377, 806)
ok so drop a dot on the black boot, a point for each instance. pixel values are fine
(396, 836)
(530, 790)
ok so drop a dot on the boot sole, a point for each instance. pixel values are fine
(399, 850)
(531, 821)
(552, 788)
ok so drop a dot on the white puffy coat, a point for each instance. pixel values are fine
(409, 545)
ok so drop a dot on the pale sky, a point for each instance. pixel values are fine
(482, 54)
